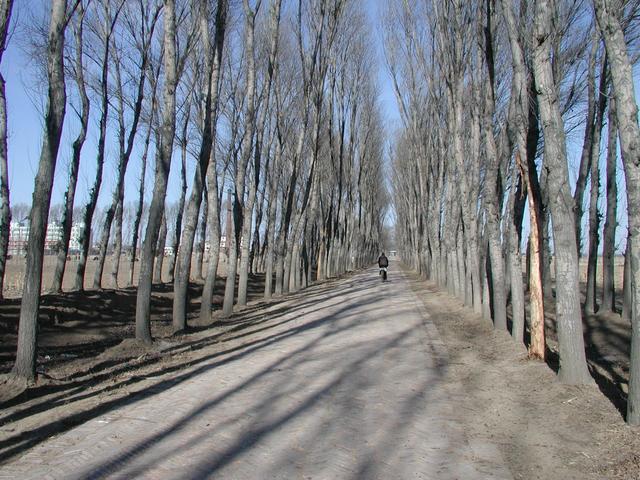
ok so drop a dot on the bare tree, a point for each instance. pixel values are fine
(610, 223)
(242, 215)
(629, 131)
(493, 172)
(587, 144)
(203, 228)
(590, 303)
(78, 143)
(106, 27)
(153, 78)
(520, 125)
(148, 17)
(206, 160)
(159, 249)
(259, 133)
(138, 215)
(573, 365)
(5, 210)
(177, 226)
(25, 365)
(163, 165)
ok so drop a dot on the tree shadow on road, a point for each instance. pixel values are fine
(85, 397)
(345, 383)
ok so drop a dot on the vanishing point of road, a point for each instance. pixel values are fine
(347, 382)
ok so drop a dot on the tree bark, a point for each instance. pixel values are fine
(573, 364)
(198, 261)
(609, 235)
(67, 213)
(210, 175)
(212, 219)
(163, 166)
(140, 205)
(627, 301)
(117, 245)
(629, 131)
(5, 210)
(159, 251)
(590, 304)
(25, 364)
(492, 193)
(587, 144)
(177, 227)
(90, 207)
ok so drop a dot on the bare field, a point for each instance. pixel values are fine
(14, 276)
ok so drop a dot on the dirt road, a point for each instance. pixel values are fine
(349, 383)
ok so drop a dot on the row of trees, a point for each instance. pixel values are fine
(130, 213)
(488, 91)
(273, 103)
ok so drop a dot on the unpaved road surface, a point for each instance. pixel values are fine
(347, 383)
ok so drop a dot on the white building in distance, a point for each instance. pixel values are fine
(19, 236)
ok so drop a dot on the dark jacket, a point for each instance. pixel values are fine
(383, 261)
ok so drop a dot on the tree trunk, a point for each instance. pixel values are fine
(177, 228)
(67, 213)
(629, 130)
(573, 364)
(232, 259)
(243, 210)
(492, 194)
(198, 261)
(117, 246)
(163, 166)
(270, 233)
(183, 263)
(25, 365)
(279, 261)
(590, 304)
(259, 133)
(587, 145)
(609, 235)
(104, 244)
(90, 207)
(206, 160)
(523, 133)
(627, 301)
(5, 210)
(140, 206)
(517, 287)
(213, 222)
(536, 295)
(159, 251)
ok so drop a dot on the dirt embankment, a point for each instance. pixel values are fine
(546, 430)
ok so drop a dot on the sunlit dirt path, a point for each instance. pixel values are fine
(346, 384)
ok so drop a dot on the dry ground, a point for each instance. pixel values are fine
(88, 365)
(545, 429)
(15, 270)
